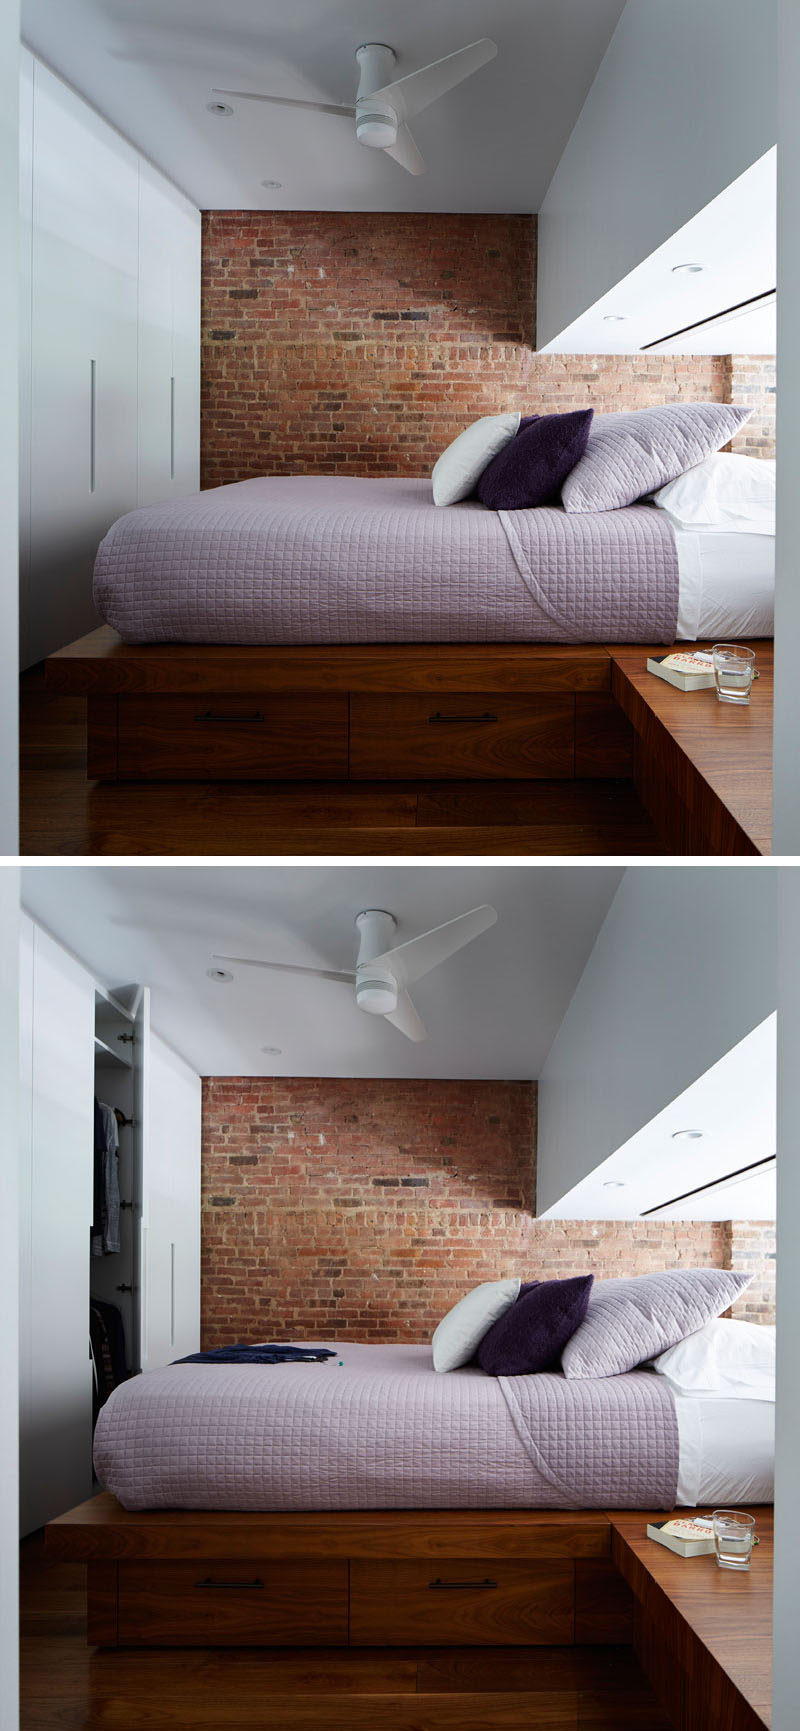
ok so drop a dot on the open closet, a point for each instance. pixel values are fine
(110, 1260)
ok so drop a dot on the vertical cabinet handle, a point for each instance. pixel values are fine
(92, 422)
(172, 1295)
(172, 428)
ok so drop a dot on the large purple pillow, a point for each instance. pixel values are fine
(532, 467)
(533, 1332)
(631, 454)
(629, 1321)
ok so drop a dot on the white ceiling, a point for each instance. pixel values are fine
(735, 239)
(491, 145)
(734, 1105)
(491, 1011)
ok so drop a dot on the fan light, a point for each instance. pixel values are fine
(377, 996)
(376, 124)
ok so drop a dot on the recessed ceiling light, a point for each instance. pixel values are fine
(272, 1051)
(691, 269)
(272, 185)
(615, 318)
(220, 108)
(688, 1135)
(613, 1184)
(219, 975)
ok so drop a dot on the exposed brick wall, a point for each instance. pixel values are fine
(752, 381)
(364, 1209)
(346, 343)
(751, 1249)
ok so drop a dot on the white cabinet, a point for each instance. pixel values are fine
(169, 352)
(57, 1023)
(171, 1210)
(78, 1040)
(83, 383)
(110, 363)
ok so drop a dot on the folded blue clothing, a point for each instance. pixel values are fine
(267, 1354)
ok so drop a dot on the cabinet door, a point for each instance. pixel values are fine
(85, 196)
(56, 1451)
(171, 1208)
(169, 340)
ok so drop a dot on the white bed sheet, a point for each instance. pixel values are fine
(726, 584)
(727, 1450)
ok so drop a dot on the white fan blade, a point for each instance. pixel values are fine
(405, 152)
(286, 968)
(405, 1018)
(408, 96)
(288, 102)
(409, 962)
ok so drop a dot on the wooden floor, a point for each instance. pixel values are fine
(67, 1686)
(62, 813)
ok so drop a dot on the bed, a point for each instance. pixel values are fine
(370, 1502)
(339, 560)
(377, 1428)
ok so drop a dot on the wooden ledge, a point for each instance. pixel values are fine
(703, 769)
(703, 1635)
(102, 664)
(102, 1529)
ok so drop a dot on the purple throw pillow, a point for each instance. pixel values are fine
(532, 1334)
(532, 467)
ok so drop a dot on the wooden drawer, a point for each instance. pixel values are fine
(461, 1603)
(297, 736)
(233, 1604)
(467, 737)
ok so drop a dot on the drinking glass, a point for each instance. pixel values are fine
(733, 672)
(733, 1538)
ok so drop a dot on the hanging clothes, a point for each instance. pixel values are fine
(105, 1231)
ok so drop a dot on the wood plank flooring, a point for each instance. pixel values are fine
(62, 813)
(67, 1686)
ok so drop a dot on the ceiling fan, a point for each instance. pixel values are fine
(382, 975)
(382, 108)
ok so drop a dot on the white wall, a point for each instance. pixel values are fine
(786, 786)
(9, 1090)
(683, 102)
(786, 1668)
(9, 434)
(683, 968)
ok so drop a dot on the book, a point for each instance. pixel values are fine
(693, 1537)
(688, 670)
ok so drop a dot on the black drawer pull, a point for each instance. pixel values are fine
(460, 1586)
(439, 718)
(210, 715)
(235, 1586)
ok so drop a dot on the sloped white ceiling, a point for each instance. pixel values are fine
(491, 145)
(491, 1011)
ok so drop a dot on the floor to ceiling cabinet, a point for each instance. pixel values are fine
(110, 410)
(80, 1041)
(57, 1052)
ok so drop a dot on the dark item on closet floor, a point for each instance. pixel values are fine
(107, 1337)
(273, 1353)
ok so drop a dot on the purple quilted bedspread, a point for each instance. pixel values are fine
(333, 559)
(383, 1430)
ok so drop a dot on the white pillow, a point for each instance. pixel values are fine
(725, 491)
(459, 469)
(461, 1331)
(728, 1359)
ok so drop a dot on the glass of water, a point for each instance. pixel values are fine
(733, 672)
(733, 1538)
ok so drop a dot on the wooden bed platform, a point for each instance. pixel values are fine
(449, 1580)
(473, 714)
